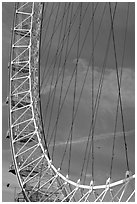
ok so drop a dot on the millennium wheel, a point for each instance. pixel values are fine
(48, 103)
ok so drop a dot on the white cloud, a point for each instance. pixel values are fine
(110, 86)
(107, 106)
(97, 137)
(82, 64)
(46, 89)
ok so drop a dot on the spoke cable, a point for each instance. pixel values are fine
(56, 29)
(55, 21)
(61, 70)
(69, 28)
(119, 89)
(66, 34)
(114, 137)
(52, 80)
(62, 83)
(97, 102)
(57, 76)
(74, 94)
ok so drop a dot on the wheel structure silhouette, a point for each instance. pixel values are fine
(39, 177)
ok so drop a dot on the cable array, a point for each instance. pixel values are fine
(51, 89)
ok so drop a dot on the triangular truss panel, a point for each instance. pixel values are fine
(40, 181)
(25, 7)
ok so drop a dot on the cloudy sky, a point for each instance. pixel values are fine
(107, 109)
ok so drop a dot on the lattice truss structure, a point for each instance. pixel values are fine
(37, 176)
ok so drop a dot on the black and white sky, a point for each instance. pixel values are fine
(106, 115)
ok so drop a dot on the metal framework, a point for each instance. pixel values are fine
(37, 176)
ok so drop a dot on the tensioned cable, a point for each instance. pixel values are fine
(48, 21)
(75, 67)
(57, 70)
(62, 70)
(119, 89)
(72, 45)
(55, 21)
(69, 83)
(49, 94)
(98, 96)
(50, 48)
(87, 69)
(39, 79)
(73, 20)
(97, 105)
(51, 84)
(57, 74)
(40, 106)
(69, 28)
(51, 13)
(92, 93)
(55, 30)
(43, 15)
(74, 94)
(49, 41)
(113, 147)
(72, 78)
(97, 101)
(89, 62)
(62, 82)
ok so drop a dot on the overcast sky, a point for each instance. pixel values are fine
(106, 115)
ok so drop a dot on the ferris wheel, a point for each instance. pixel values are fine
(44, 132)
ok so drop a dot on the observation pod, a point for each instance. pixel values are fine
(39, 178)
